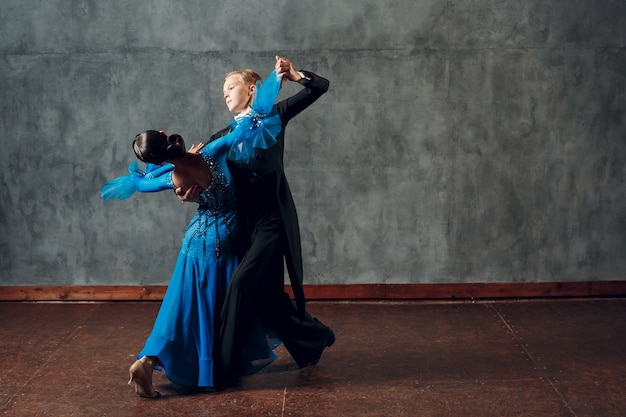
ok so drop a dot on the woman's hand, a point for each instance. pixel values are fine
(196, 148)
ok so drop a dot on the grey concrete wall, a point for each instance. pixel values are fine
(460, 141)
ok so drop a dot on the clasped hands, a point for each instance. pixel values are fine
(284, 67)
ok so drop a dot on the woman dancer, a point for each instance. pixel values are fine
(182, 339)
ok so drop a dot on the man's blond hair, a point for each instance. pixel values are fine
(248, 76)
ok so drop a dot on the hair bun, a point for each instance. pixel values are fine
(175, 146)
(155, 147)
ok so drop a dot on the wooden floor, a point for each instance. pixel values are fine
(515, 358)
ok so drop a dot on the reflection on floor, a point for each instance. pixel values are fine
(520, 358)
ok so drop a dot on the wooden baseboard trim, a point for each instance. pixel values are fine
(461, 291)
(82, 293)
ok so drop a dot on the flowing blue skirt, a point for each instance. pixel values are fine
(188, 321)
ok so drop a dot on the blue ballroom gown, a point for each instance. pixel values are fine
(188, 321)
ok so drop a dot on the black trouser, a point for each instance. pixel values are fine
(257, 290)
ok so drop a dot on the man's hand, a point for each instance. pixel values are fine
(191, 195)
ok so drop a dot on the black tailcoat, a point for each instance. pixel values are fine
(254, 183)
(256, 290)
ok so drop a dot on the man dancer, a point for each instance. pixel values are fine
(268, 211)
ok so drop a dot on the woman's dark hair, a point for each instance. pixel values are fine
(154, 147)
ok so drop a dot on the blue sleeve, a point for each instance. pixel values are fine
(155, 178)
(150, 184)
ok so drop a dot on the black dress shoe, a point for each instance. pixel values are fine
(330, 339)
